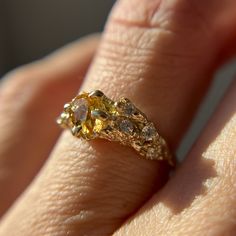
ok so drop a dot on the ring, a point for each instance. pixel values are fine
(94, 115)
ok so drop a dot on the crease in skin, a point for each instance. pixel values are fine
(82, 216)
(167, 16)
(189, 8)
(135, 13)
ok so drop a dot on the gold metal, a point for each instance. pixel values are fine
(93, 115)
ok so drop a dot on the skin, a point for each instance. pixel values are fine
(162, 55)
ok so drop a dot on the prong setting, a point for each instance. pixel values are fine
(98, 114)
(96, 93)
(75, 130)
(67, 106)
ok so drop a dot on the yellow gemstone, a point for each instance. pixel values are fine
(85, 129)
(99, 125)
(90, 113)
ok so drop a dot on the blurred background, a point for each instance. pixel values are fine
(30, 29)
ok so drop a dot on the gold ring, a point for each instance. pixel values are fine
(94, 115)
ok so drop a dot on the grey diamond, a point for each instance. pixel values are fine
(126, 126)
(149, 132)
(151, 152)
(129, 109)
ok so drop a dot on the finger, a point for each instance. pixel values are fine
(30, 98)
(201, 198)
(159, 56)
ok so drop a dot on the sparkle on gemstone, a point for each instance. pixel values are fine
(149, 132)
(81, 109)
(99, 125)
(126, 126)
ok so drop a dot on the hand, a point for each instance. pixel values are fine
(161, 55)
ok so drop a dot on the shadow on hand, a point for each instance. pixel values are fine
(190, 184)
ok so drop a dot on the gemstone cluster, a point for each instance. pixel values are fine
(92, 115)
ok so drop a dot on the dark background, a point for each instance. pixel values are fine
(30, 29)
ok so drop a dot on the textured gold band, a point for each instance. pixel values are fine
(93, 115)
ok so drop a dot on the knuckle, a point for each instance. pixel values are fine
(135, 12)
(172, 15)
(130, 57)
(138, 43)
(17, 84)
(14, 83)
